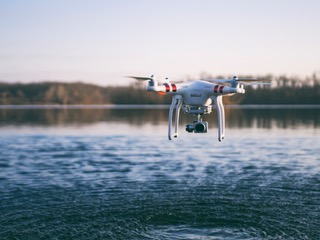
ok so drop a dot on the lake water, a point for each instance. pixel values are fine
(105, 173)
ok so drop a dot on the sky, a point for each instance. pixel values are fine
(102, 41)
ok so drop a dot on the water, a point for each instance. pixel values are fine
(112, 174)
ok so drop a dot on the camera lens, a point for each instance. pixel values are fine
(199, 127)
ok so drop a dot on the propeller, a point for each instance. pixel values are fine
(152, 82)
(255, 83)
(245, 81)
(151, 78)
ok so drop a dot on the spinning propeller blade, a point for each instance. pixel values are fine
(245, 81)
(142, 78)
(254, 83)
(152, 78)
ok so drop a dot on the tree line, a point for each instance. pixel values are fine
(284, 90)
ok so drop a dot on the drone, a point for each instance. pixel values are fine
(195, 97)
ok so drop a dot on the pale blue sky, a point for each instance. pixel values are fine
(102, 41)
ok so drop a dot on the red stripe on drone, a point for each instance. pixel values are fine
(215, 90)
(167, 87)
(174, 87)
(221, 89)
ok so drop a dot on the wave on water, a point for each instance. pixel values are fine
(124, 187)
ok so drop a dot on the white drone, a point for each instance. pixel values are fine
(195, 97)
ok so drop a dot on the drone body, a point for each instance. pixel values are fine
(196, 97)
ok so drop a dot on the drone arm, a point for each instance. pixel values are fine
(221, 89)
(153, 84)
(156, 88)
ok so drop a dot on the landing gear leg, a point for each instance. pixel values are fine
(221, 116)
(175, 104)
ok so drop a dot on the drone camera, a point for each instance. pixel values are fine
(197, 127)
(201, 127)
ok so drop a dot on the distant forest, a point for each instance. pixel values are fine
(284, 90)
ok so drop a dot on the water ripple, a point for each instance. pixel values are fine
(124, 187)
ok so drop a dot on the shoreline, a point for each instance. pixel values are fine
(156, 106)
